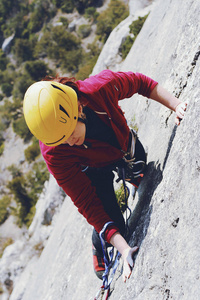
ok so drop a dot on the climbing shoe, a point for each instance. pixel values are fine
(98, 263)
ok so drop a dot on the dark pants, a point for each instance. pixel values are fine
(102, 179)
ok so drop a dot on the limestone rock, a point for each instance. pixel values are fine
(166, 215)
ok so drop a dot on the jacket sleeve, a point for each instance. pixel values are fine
(77, 186)
(126, 84)
(118, 85)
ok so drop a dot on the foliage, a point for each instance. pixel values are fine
(24, 201)
(15, 172)
(21, 83)
(32, 151)
(3, 61)
(7, 8)
(20, 128)
(108, 19)
(23, 50)
(6, 243)
(84, 30)
(36, 179)
(90, 58)
(26, 190)
(8, 111)
(91, 14)
(1, 149)
(1, 144)
(4, 205)
(64, 21)
(43, 10)
(66, 6)
(135, 28)
(37, 69)
(61, 46)
(7, 89)
(136, 25)
(7, 80)
(121, 198)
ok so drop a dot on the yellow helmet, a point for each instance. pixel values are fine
(51, 111)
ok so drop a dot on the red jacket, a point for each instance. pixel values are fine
(100, 93)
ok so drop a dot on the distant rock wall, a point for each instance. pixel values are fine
(165, 221)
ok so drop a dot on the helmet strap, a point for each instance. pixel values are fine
(84, 121)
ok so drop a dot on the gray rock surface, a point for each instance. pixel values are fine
(166, 215)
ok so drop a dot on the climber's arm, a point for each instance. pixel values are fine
(164, 97)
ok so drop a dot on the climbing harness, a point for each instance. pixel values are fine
(130, 167)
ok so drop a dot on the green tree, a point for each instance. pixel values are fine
(7, 89)
(20, 128)
(36, 69)
(22, 82)
(3, 61)
(32, 152)
(91, 14)
(135, 28)
(17, 187)
(84, 30)
(43, 11)
(23, 50)
(108, 19)
(4, 205)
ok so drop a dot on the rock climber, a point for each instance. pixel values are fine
(84, 136)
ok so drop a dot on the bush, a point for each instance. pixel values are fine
(1, 149)
(36, 69)
(81, 5)
(7, 89)
(21, 84)
(61, 46)
(6, 243)
(72, 60)
(9, 111)
(108, 19)
(23, 50)
(14, 171)
(26, 190)
(65, 5)
(43, 10)
(135, 28)
(4, 206)
(91, 14)
(136, 25)
(84, 30)
(24, 201)
(32, 152)
(20, 128)
(121, 198)
(89, 61)
(36, 179)
(64, 21)
(1, 144)
(3, 61)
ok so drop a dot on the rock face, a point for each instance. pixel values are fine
(165, 220)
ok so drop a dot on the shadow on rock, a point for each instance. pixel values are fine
(140, 217)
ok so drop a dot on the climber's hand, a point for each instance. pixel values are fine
(127, 256)
(180, 111)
